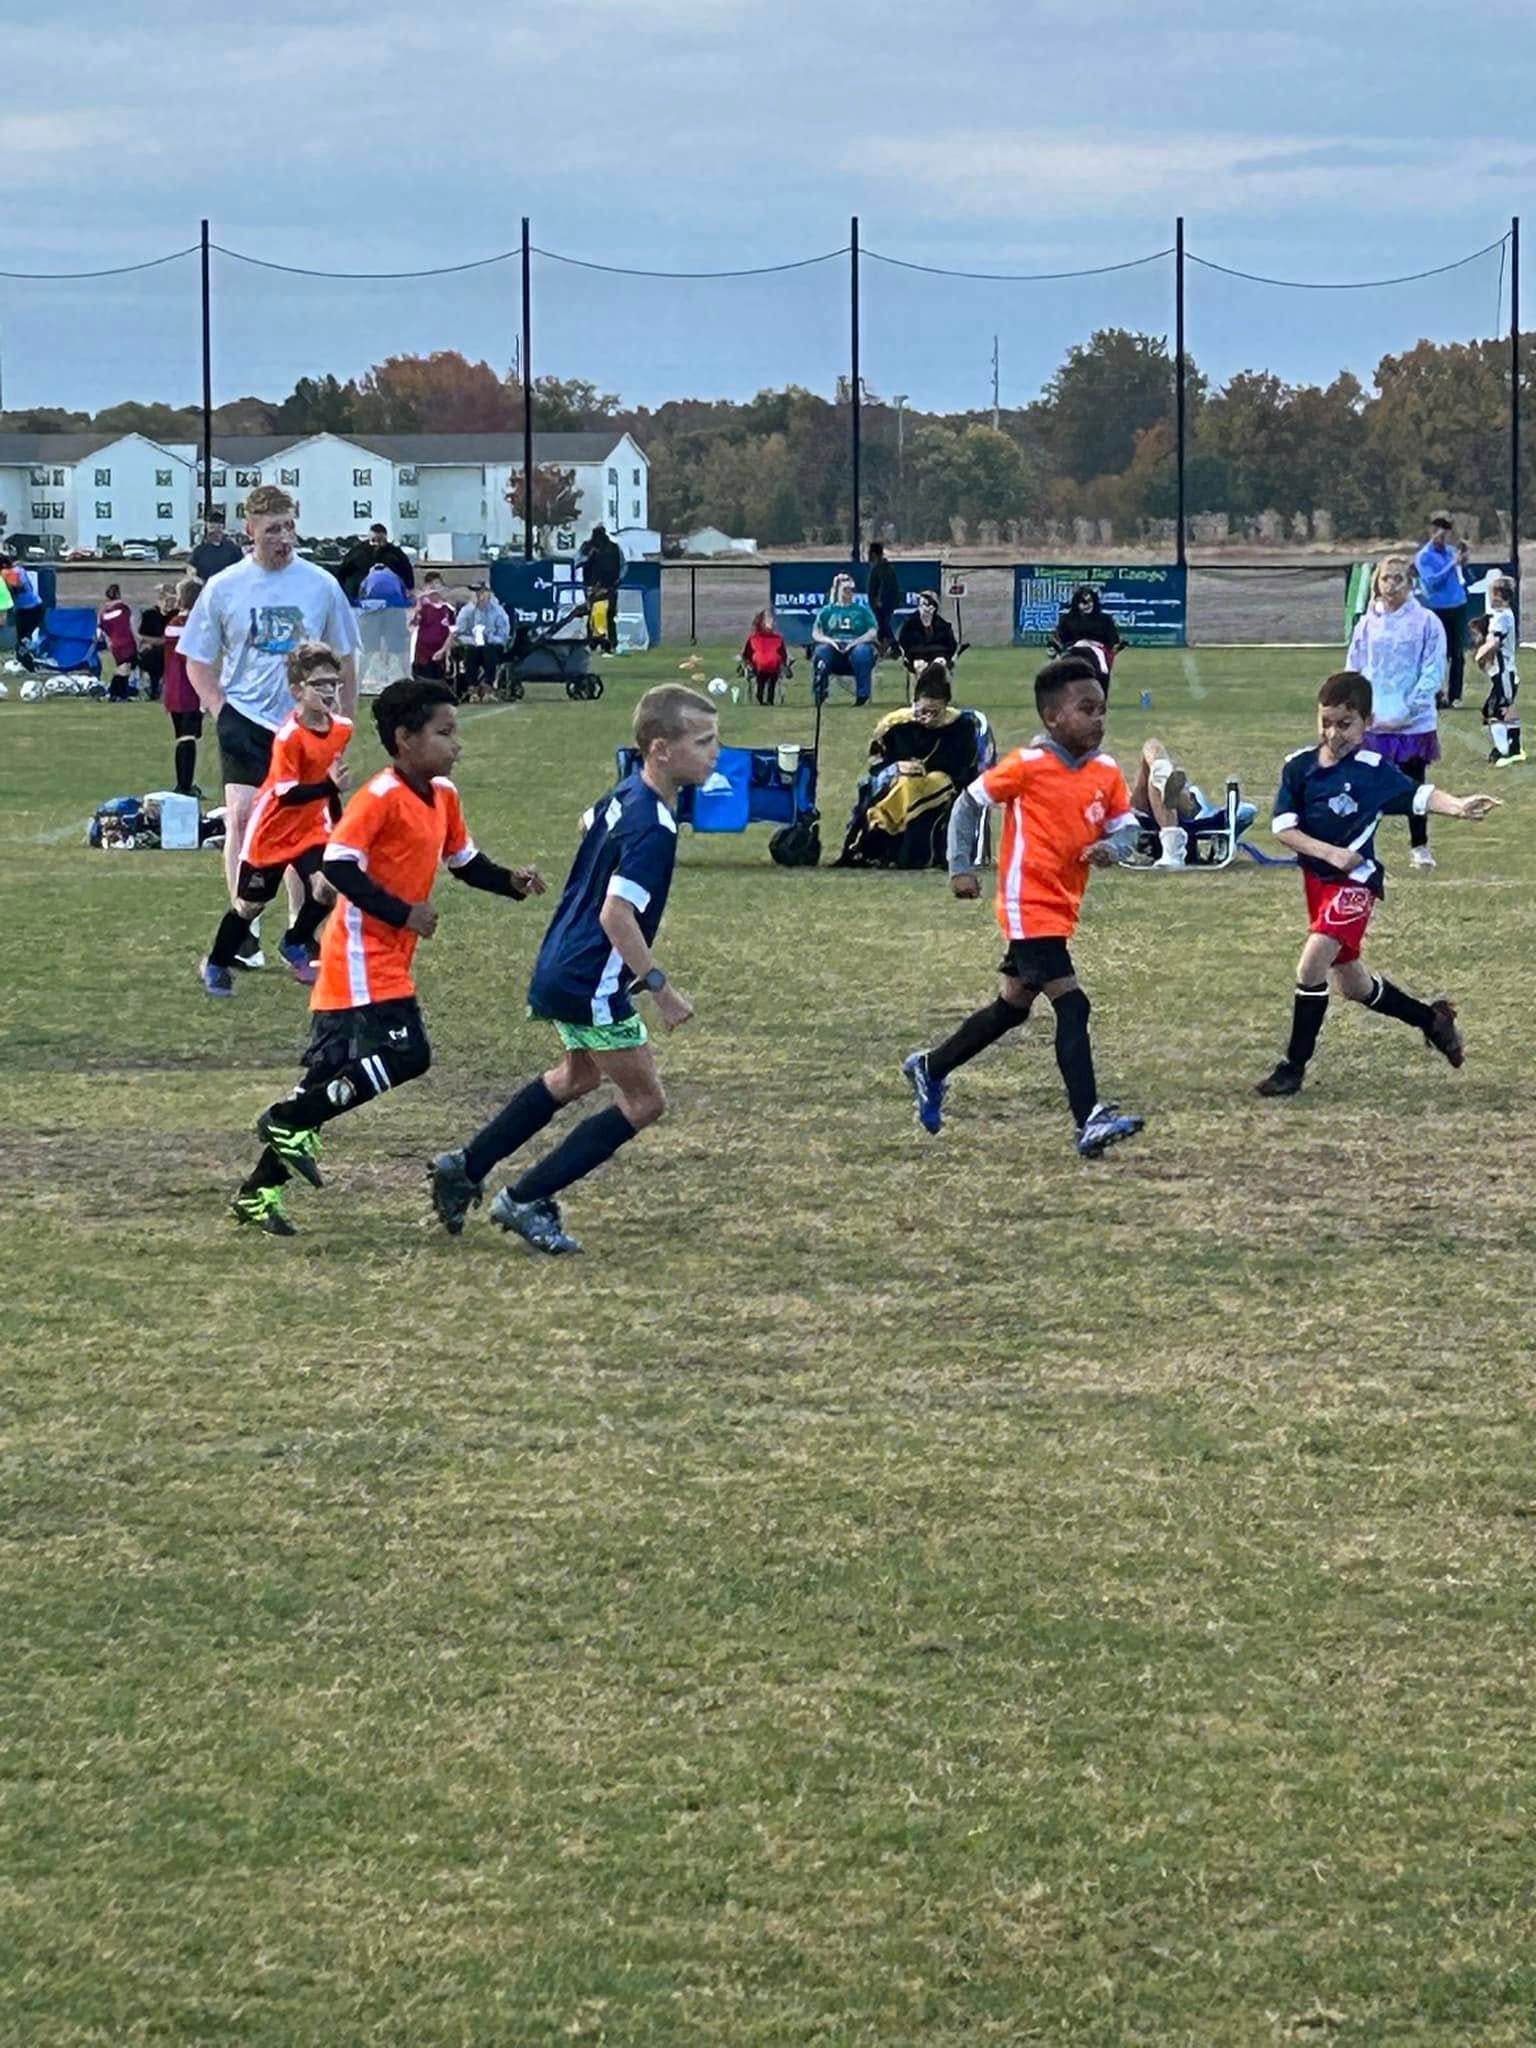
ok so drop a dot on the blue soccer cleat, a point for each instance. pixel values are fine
(218, 981)
(298, 961)
(536, 1223)
(1105, 1127)
(929, 1093)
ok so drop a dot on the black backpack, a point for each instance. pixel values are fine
(798, 845)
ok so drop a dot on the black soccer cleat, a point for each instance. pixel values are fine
(299, 1150)
(453, 1193)
(536, 1223)
(263, 1207)
(1285, 1080)
(1444, 1034)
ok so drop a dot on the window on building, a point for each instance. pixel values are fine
(164, 478)
(247, 479)
(103, 542)
(409, 509)
(634, 508)
(361, 478)
(613, 476)
(220, 479)
(362, 508)
(634, 477)
(57, 479)
(42, 511)
(410, 540)
(220, 512)
(407, 473)
(39, 477)
(103, 508)
(58, 508)
(103, 479)
(288, 478)
(165, 509)
(240, 508)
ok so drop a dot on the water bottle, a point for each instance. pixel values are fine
(1146, 700)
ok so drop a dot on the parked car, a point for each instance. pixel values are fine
(140, 551)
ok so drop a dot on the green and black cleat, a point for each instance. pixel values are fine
(263, 1208)
(299, 1150)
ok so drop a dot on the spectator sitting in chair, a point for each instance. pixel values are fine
(1086, 619)
(884, 594)
(844, 642)
(765, 658)
(926, 635)
(920, 758)
(478, 641)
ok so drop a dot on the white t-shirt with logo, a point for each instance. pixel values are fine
(1505, 634)
(249, 620)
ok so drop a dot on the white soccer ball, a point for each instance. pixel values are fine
(32, 690)
(718, 686)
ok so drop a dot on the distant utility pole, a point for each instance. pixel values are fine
(996, 404)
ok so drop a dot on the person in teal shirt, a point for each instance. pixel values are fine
(844, 642)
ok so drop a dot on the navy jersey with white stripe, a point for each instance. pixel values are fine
(629, 849)
(1342, 803)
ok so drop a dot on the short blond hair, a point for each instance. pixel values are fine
(663, 713)
(268, 501)
(188, 591)
(1504, 584)
(1390, 562)
(307, 659)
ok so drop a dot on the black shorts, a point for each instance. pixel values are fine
(260, 885)
(1037, 961)
(245, 748)
(337, 1037)
(188, 725)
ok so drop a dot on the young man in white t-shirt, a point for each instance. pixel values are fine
(236, 644)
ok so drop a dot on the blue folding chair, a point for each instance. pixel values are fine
(66, 640)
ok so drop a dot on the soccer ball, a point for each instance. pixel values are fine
(718, 686)
(32, 690)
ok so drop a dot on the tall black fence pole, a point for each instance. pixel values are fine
(527, 353)
(855, 391)
(207, 384)
(1514, 393)
(1179, 402)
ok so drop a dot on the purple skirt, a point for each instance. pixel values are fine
(1402, 747)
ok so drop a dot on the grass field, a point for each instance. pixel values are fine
(889, 1590)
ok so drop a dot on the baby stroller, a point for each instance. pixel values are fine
(550, 654)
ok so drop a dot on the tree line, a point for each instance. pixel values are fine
(1098, 443)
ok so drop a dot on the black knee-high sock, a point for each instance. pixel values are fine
(186, 766)
(306, 926)
(530, 1109)
(981, 1029)
(268, 1172)
(1074, 1053)
(594, 1140)
(233, 932)
(1307, 1013)
(1390, 1001)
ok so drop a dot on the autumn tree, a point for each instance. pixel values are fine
(441, 393)
(556, 500)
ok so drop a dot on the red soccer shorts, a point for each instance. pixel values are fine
(1341, 911)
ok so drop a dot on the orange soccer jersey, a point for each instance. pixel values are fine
(279, 832)
(398, 838)
(1053, 811)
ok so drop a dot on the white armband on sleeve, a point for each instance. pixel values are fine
(1421, 797)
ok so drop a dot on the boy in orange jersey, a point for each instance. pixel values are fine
(382, 860)
(290, 821)
(1065, 809)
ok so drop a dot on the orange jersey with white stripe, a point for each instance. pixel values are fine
(1053, 811)
(277, 832)
(398, 838)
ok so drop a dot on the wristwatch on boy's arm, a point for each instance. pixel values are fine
(653, 979)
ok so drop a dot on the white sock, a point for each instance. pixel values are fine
(1175, 843)
(1162, 768)
(1498, 732)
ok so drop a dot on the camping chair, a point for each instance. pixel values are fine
(1214, 834)
(66, 640)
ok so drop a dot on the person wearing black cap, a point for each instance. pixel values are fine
(1441, 563)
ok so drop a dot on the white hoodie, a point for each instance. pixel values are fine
(1403, 654)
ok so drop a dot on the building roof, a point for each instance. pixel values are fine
(241, 450)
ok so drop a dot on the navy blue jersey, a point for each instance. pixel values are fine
(1342, 803)
(629, 849)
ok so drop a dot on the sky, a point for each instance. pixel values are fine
(1011, 136)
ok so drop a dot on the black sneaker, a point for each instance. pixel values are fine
(1285, 1080)
(453, 1193)
(536, 1223)
(263, 1208)
(1444, 1034)
(299, 1150)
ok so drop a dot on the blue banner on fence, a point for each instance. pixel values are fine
(540, 592)
(1150, 606)
(804, 586)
